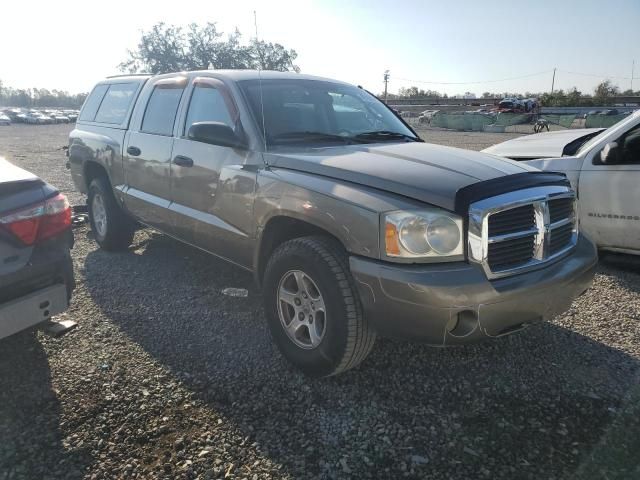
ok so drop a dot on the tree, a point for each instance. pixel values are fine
(604, 91)
(574, 96)
(415, 92)
(169, 48)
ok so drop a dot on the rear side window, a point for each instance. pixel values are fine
(162, 107)
(91, 105)
(116, 102)
(207, 105)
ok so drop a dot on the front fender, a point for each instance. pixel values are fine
(570, 166)
(354, 225)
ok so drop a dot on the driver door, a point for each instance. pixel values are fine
(610, 196)
(211, 190)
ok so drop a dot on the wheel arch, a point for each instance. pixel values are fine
(92, 170)
(282, 228)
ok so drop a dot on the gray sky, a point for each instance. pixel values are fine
(68, 44)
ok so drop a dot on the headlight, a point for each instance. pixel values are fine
(429, 234)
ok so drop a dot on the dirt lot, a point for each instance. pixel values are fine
(168, 378)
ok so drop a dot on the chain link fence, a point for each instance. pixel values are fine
(498, 122)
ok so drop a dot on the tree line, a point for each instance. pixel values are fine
(605, 93)
(39, 97)
(171, 48)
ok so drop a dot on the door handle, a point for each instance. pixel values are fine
(135, 151)
(183, 161)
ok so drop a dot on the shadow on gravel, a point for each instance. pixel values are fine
(531, 405)
(621, 261)
(31, 442)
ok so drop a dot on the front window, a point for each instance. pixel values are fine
(314, 111)
(207, 105)
(622, 126)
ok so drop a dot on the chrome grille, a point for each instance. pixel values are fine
(560, 237)
(510, 253)
(560, 209)
(522, 230)
(512, 220)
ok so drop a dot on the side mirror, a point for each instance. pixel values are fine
(610, 154)
(215, 133)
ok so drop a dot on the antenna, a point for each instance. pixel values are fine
(264, 130)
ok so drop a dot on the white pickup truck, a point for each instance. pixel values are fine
(603, 166)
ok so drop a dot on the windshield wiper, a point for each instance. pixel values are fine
(386, 135)
(311, 136)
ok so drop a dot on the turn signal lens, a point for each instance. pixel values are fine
(391, 239)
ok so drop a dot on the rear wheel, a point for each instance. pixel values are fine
(313, 308)
(112, 229)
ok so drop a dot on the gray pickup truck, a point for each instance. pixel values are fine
(352, 225)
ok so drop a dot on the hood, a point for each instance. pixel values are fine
(426, 172)
(540, 145)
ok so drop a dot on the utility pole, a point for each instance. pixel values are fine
(633, 66)
(386, 81)
(553, 81)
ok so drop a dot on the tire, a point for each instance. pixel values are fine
(112, 229)
(346, 337)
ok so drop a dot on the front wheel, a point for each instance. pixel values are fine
(313, 307)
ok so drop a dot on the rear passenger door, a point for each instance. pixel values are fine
(147, 153)
(212, 192)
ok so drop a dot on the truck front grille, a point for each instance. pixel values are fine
(522, 230)
(511, 253)
(512, 235)
(560, 238)
(513, 220)
(560, 209)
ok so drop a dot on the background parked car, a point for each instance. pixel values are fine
(426, 116)
(4, 119)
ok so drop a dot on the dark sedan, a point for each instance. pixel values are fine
(36, 271)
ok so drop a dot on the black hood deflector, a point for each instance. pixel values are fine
(497, 186)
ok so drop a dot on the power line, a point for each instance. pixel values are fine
(477, 82)
(596, 75)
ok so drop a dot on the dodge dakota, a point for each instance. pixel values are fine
(351, 224)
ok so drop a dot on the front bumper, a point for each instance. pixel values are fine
(446, 304)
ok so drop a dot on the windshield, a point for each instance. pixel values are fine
(630, 120)
(312, 111)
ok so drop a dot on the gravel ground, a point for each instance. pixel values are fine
(166, 377)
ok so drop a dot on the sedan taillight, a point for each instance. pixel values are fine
(39, 222)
